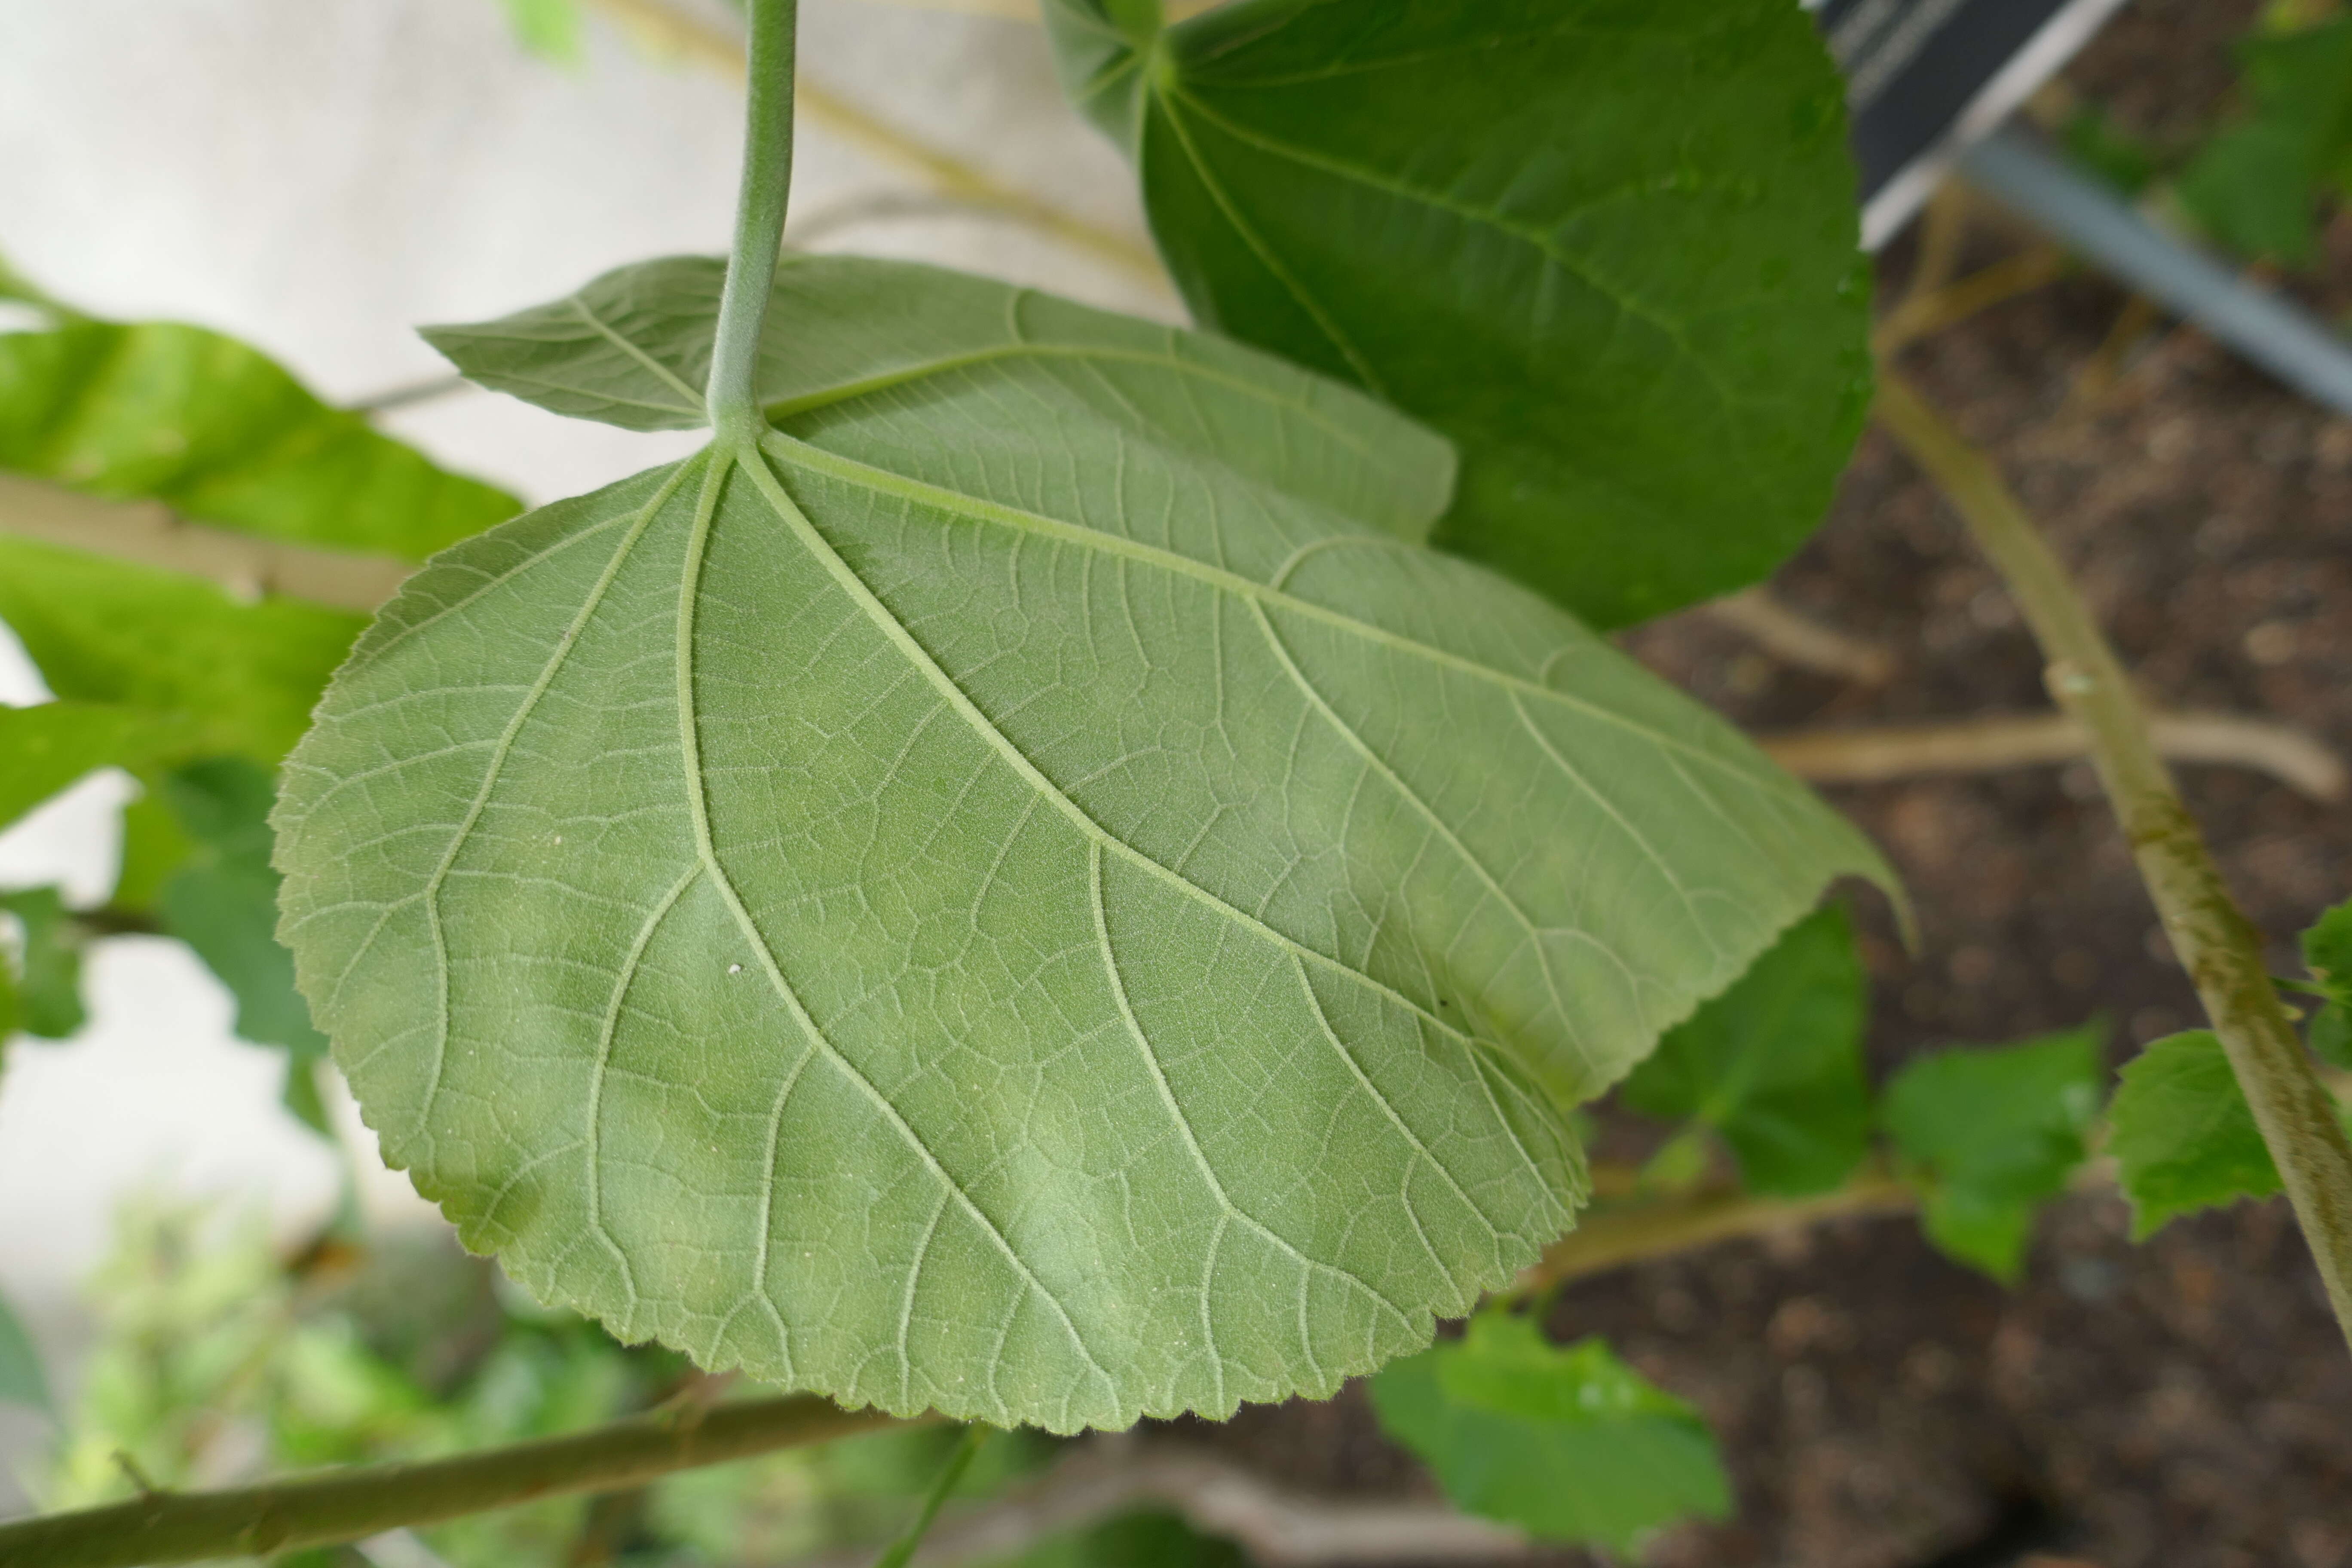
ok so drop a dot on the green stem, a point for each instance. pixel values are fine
(353, 1504)
(2217, 943)
(902, 1550)
(732, 396)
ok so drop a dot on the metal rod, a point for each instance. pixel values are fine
(2084, 216)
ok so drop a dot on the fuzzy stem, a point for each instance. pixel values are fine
(353, 1504)
(2217, 943)
(733, 397)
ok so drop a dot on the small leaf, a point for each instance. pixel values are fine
(1021, 895)
(549, 29)
(48, 993)
(1566, 1444)
(2327, 953)
(2183, 1133)
(2256, 185)
(22, 1379)
(1609, 247)
(223, 902)
(1774, 1064)
(1990, 1133)
(46, 746)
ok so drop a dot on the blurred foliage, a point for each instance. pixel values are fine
(2259, 184)
(1992, 1132)
(219, 1359)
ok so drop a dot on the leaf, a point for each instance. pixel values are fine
(22, 1379)
(1006, 899)
(223, 436)
(46, 746)
(2182, 1134)
(1774, 1064)
(220, 433)
(49, 963)
(1990, 1133)
(237, 677)
(1609, 247)
(223, 902)
(1566, 1444)
(548, 29)
(2327, 953)
(2256, 185)
(1145, 1539)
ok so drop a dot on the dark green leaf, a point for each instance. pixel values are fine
(223, 902)
(47, 747)
(48, 983)
(2256, 185)
(22, 1379)
(1774, 1064)
(1143, 1540)
(1038, 780)
(1566, 1444)
(1990, 1133)
(2182, 1134)
(1608, 245)
(2113, 154)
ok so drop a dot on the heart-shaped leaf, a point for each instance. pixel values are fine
(1608, 245)
(1021, 894)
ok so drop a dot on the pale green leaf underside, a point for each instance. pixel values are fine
(1004, 899)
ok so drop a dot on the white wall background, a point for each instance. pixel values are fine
(315, 176)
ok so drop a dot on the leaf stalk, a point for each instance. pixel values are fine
(2218, 945)
(731, 396)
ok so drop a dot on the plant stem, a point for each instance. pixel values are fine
(352, 1504)
(732, 396)
(2217, 943)
(1991, 743)
(902, 1550)
(681, 33)
(152, 534)
(1613, 1235)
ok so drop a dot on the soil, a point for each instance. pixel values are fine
(2188, 1402)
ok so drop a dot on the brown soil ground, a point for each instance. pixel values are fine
(2188, 1403)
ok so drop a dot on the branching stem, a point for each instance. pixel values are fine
(733, 397)
(2217, 943)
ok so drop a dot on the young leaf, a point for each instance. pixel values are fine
(1021, 895)
(1608, 245)
(1774, 1064)
(2183, 1133)
(1568, 1444)
(48, 985)
(1992, 1132)
(223, 902)
(2327, 953)
(47, 747)
(22, 1379)
(2256, 185)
